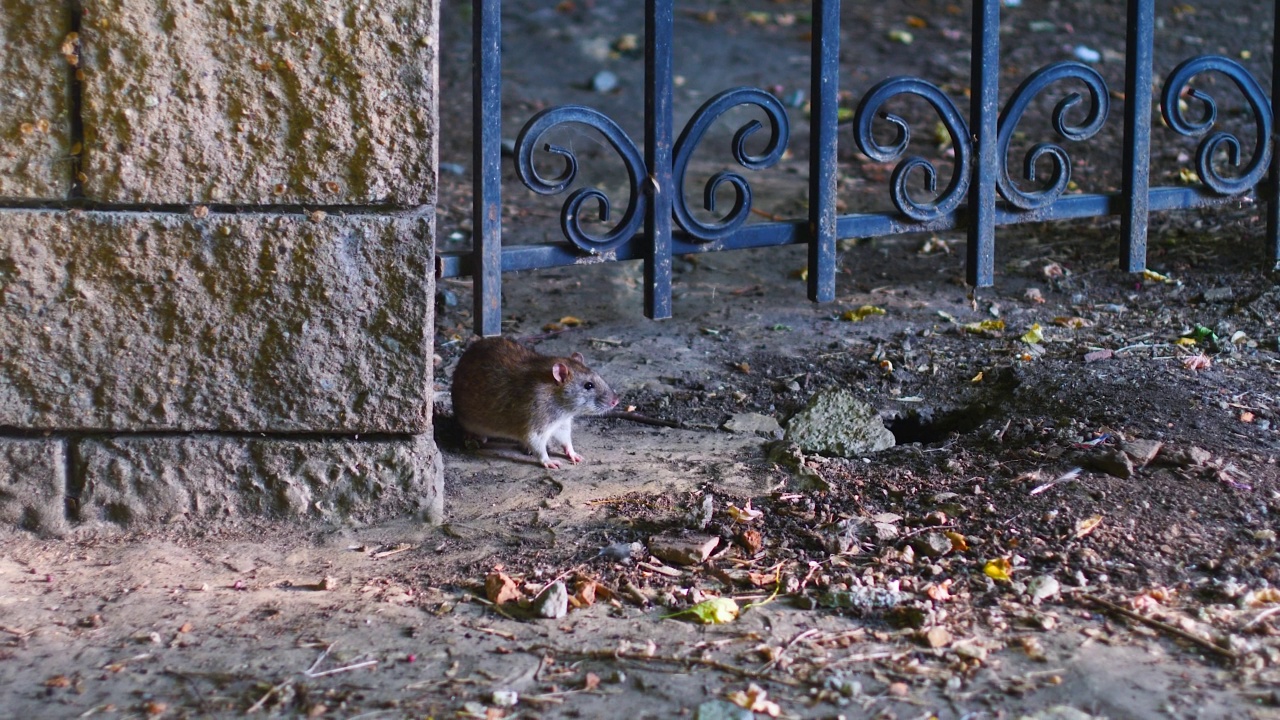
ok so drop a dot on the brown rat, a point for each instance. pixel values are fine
(503, 389)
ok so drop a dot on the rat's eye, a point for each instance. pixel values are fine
(589, 385)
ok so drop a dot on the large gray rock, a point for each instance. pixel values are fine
(134, 482)
(130, 322)
(837, 423)
(35, 125)
(260, 101)
(33, 485)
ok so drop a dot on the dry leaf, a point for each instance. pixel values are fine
(500, 588)
(1088, 525)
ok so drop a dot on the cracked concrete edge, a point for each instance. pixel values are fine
(94, 485)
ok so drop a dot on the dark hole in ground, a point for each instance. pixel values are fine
(931, 426)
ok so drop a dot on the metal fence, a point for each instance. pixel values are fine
(657, 223)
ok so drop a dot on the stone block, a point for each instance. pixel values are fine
(33, 479)
(35, 122)
(263, 323)
(136, 482)
(260, 101)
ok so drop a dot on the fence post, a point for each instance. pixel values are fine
(1136, 189)
(486, 212)
(984, 113)
(659, 124)
(1273, 187)
(823, 143)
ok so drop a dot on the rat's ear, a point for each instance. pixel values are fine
(560, 372)
(577, 357)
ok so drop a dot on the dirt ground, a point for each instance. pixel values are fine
(1078, 520)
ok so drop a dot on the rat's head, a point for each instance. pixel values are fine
(580, 389)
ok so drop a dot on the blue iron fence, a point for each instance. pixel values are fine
(980, 196)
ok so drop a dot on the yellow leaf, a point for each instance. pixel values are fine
(1188, 176)
(1088, 525)
(861, 313)
(977, 378)
(570, 321)
(1034, 335)
(985, 326)
(999, 569)
(1154, 276)
(958, 541)
(744, 514)
(712, 612)
(1185, 342)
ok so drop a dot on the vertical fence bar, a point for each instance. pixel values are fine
(659, 128)
(1139, 54)
(984, 112)
(486, 203)
(1273, 188)
(824, 73)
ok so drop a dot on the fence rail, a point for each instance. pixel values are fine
(657, 223)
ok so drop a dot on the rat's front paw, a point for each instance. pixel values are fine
(553, 464)
(575, 457)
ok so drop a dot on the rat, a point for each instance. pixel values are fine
(503, 389)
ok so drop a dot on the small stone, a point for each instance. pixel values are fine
(837, 423)
(690, 550)
(1219, 295)
(932, 544)
(936, 637)
(754, 423)
(1087, 54)
(604, 82)
(1185, 457)
(1142, 452)
(1043, 587)
(505, 698)
(1112, 462)
(722, 710)
(553, 602)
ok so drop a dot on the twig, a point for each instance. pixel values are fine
(343, 669)
(848, 659)
(319, 660)
(631, 592)
(394, 551)
(262, 700)
(15, 631)
(1162, 626)
(1262, 616)
(783, 650)
(671, 660)
(642, 419)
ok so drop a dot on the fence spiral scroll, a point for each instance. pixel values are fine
(869, 109)
(691, 136)
(571, 211)
(1176, 118)
(1060, 177)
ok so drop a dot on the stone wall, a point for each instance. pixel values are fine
(216, 271)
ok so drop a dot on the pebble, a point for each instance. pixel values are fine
(604, 82)
(553, 603)
(1087, 54)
